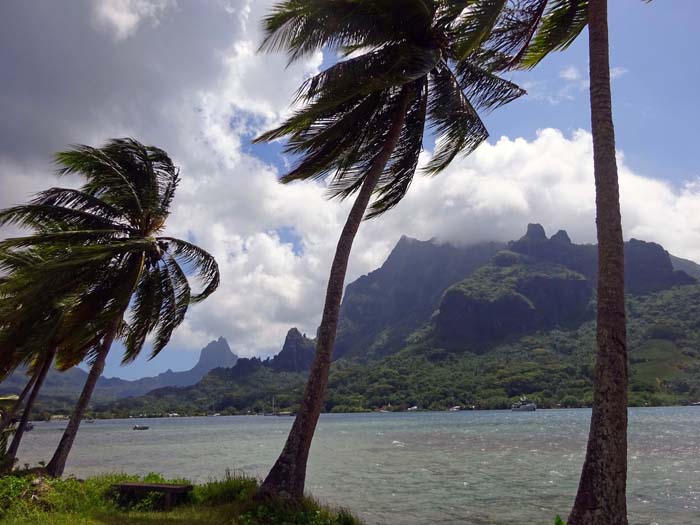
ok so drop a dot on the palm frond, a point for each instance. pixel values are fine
(484, 89)
(561, 24)
(42, 217)
(176, 299)
(301, 27)
(146, 305)
(199, 261)
(401, 168)
(473, 26)
(454, 119)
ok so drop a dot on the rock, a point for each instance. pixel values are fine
(296, 355)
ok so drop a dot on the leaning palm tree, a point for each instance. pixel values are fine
(127, 280)
(34, 327)
(361, 125)
(527, 31)
(7, 407)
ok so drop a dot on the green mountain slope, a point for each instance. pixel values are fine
(554, 367)
(519, 323)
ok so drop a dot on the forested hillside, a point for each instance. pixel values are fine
(438, 326)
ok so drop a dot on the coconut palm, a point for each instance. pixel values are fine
(7, 408)
(33, 330)
(527, 31)
(102, 247)
(361, 126)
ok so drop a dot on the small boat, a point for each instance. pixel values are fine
(141, 427)
(455, 408)
(524, 406)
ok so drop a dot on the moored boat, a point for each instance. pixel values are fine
(524, 406)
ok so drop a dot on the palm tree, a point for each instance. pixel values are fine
(9, 410)
(361, 125)
(527, 31)
(31, 330)
(101, 245)
(8, 406)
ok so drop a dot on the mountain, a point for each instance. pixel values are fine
(65, 386)
(296, 355)
(381, 309)
(249, 385)
(439, 325)
(648, 267)
(217, 354)
(689, 267)
(512, 295)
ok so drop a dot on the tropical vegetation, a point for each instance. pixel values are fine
(26, 499)
(527, 32)
(96, 269)
(406, 66)
(554, 367)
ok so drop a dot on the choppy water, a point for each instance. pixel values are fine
(478, 468)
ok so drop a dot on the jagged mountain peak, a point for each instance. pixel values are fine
(535, 232)
(296, 354)
(561, 236)
(217, 354)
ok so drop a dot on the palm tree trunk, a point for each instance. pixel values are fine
(288, 475)
(9, 460)
(57, 464)
(7, 417)
(601, 497)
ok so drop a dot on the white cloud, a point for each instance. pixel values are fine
(617, 72)
(570, 73)
(197, 88)
(122, 17)
(567, 87)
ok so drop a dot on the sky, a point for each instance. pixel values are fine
(184, 75)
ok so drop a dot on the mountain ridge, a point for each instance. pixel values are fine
(537, 292)
(68, 384)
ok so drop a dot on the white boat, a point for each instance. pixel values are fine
(524, 406)
(140, 427)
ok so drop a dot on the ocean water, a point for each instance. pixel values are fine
(475, 468)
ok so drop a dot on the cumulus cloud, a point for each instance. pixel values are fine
(122, 17)
(195, 86)
(570, 73)
(504, 185)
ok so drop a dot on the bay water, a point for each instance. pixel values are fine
(469, 467)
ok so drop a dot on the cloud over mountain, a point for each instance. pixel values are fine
(186, 76)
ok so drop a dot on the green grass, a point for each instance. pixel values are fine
(28, 500)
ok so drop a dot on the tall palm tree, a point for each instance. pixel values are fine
(32, 328)
(407, 65)
(527, 31)
(101, 244)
